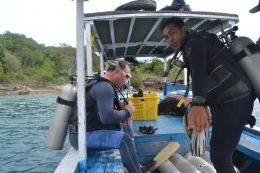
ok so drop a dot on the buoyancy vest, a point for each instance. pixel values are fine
(226, 79)
(93, 121)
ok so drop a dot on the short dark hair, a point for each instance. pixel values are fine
(121, 63)
(178, 22)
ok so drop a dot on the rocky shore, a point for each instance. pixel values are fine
(152, 84)
(12, 89)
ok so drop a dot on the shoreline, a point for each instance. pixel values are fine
(51, 91)
(6, 89)
(149, 84)
(26, 90)
(7, 93)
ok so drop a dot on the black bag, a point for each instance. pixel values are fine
(169, 106)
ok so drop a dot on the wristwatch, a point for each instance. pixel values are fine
(198, 101)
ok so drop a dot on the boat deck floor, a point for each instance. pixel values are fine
(170, 129)
(148, 145)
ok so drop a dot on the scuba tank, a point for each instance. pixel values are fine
(206, 156)
(182, 164)
(168, 167)
(59, 123)
(200, 163)
(247, 54)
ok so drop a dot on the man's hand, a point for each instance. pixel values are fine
(130, 107)
(197, 118)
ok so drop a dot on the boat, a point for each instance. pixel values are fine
(121, 34)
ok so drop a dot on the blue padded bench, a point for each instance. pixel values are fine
(102, 162)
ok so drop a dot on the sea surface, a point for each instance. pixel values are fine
(24, 124)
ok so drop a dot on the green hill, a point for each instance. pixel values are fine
(24, 61)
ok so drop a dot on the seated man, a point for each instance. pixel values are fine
(104, 114)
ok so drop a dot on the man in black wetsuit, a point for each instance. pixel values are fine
(104, 114)
(218, 82)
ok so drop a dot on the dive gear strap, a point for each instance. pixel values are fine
(65, 102)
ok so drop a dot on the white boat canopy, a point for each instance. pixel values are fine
(122, 34)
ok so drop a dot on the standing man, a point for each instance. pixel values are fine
(104, 114)
(218, 82)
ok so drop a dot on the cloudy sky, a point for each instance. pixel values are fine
(51, 22)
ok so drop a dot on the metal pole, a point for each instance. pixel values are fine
(101, 63)
(81, 81)
(88, 49)
(165, 66)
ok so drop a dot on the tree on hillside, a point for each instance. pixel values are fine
(45, 73)
(154, 67)
(11, 63)
(26, 56)
(38, 58)
(14, 42)
(136, 80)
(2, 53)
(1, 70)
(67, 59)
(64, 45)
(71, 63)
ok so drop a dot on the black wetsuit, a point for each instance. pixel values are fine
(100, 140)
(228, 119)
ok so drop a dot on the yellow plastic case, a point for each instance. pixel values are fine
(146, 107)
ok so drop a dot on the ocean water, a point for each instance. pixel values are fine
(24, 124)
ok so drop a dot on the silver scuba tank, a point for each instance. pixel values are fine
(206, 156)
(59, 123)
(182, 164)
(168, 167)
(200, 163)
(247, 54)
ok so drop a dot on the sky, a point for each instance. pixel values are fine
(51, 22)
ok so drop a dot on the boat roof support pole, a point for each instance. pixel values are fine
(165, 66)
(89, 48)
(106, 64)
(81, 81)
(101, 63)
(185, 76)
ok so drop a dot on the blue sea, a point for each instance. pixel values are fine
(24, 124)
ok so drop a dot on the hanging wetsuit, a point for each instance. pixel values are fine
(222, 82)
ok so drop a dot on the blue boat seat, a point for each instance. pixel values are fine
(97, 162)
(105, 162)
